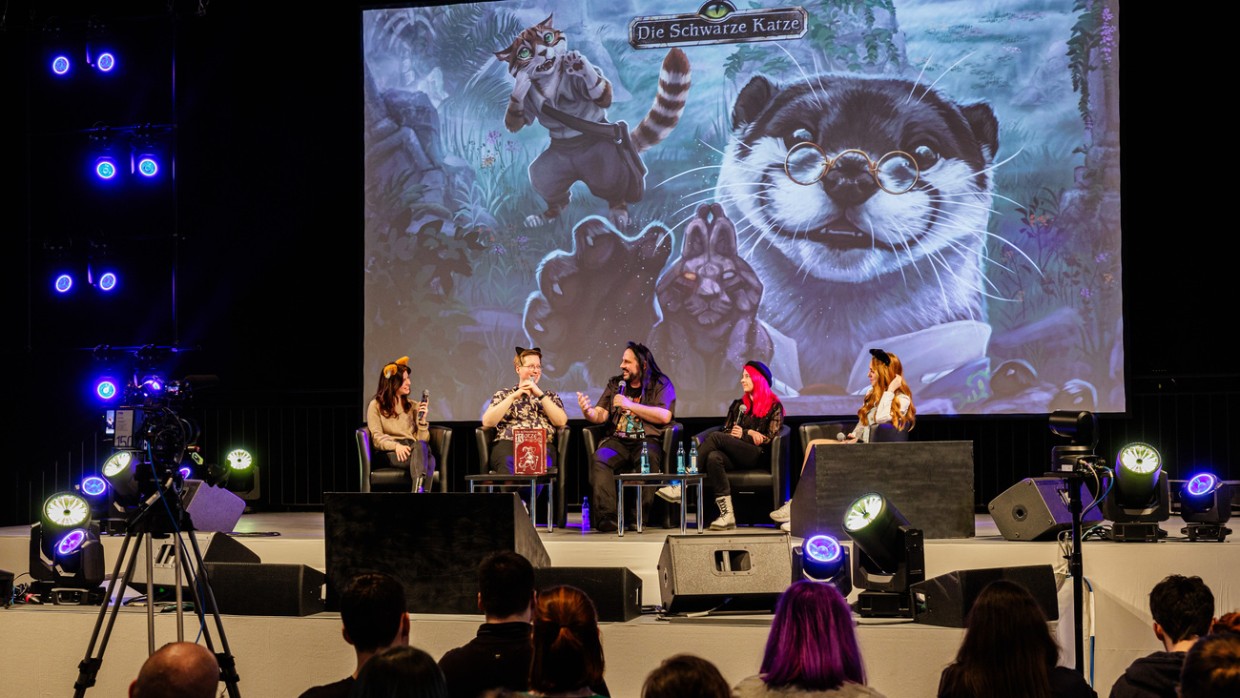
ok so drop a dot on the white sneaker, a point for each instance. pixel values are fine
(783, 514)
(671, 493)
(786, 526)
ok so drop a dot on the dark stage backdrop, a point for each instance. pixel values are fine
(270, 265)
(984, 251)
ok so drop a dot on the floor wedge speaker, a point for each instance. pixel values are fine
(616, 591)
(266, 589)
(724, 573)
(1036, 508)
(945, 600)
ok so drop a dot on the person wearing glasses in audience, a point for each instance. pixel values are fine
(398, 427)
(523, 406)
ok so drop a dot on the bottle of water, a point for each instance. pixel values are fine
(680, 459)
(585, 515)
(645, 458)
(693, 457)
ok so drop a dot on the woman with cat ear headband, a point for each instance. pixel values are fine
(887, 390)
(753, 420)
(523, 406)
(398, 427)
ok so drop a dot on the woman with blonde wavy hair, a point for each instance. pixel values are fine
(888, 400)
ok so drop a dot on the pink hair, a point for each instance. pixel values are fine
(762, 398)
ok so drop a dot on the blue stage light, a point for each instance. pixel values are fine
(93, 486)
(823, 548)
(63, 283)
(71, 542)
(1201, 485)
(106, 62)
(105, 168)
(106, 388)
(107, 281)
(148, 166)
(61, 64)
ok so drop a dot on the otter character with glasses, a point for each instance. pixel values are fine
(523, 406)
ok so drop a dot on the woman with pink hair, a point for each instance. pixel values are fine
(753, 420)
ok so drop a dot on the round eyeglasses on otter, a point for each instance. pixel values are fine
(895, 173)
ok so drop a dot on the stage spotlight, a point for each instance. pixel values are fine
(63, 283)
(1139, 496)
(186, 472)
(61, 64)
(107, 281)
(147, 165)
(888, 556)
(152, 385)
(106, 388)
(1205, 505)
(93, 486)
(822, 559)
(121, 471)
(105, 168)
(242, 477)
(105, 62)
(65, 554)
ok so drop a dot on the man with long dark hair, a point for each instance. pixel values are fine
(638, 404)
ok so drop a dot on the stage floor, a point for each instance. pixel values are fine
(282, 656)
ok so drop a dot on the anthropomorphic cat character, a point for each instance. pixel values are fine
(709, 300)
(864, 204)
(548, 74)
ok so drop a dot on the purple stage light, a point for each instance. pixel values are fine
(107, 281)
(63, 283)
(153, 384)
(94, 486)
(106, 62)
(71, 542)
(186, 472)
(823, 548)
(60, 65)
(1201, 485)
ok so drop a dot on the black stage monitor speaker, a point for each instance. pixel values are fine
(724, 573)
(266, 589)
(930, 481)
(215, 547)
(432, 542)
(6, 588)
(1036, 508)
(616, 591)
(946, 599)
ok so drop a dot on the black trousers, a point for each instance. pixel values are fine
(420, 462)
(616, 456)
(501, 456)
(721, 452)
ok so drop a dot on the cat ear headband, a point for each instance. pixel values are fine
(391, 369)
(533, 350)
(882, 356)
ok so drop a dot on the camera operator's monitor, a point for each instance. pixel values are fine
(109, 422)
(125, 425)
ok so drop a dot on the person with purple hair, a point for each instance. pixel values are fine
(812, 649)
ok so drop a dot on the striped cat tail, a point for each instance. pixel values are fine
(668, 105)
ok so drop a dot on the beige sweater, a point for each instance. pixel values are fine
(385, 431)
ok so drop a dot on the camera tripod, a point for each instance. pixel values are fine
(162, 515)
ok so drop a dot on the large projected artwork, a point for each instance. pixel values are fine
(794, 183)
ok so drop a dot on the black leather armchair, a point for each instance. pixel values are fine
(830, 430)
(485, 436)
(760, 481)
(387, 479)
(595, 434)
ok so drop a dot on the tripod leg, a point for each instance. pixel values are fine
(228, 664)
(88, 668)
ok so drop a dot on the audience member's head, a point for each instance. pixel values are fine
(401, 672)
(686, 676)
(1183, 609)
(812, 644)
(372, 607)
(178, 670)
(505, 585)
(1007, 649)
(568, 651)
(1227, 622)
(1212, 665)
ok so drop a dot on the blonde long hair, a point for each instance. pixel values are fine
(885, 373)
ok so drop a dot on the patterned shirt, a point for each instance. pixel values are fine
(526, 412)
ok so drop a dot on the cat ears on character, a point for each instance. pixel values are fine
(532, 350)
(881, 356)
(391, 369)
(505, 54)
